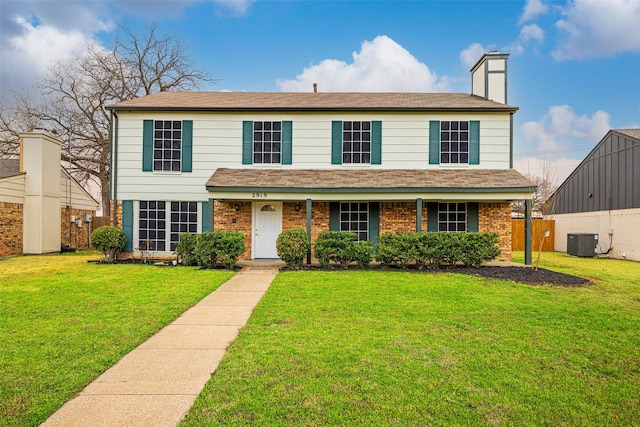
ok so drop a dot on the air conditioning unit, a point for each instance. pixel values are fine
(582, 244)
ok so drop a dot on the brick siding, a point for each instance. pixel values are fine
(79, 235)
(11, 228)
(225, 217)
(496, 218)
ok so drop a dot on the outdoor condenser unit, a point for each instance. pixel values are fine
(582, 244)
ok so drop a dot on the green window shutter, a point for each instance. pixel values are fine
(127, 224)
(374, 221)
(474, 142)
(376, 142)
(247, 142)
(147, 146)
(187, 144)
(286, 142)
(336, 142)
(434, 142)
(432, 216)
(472, 217)
(334, 216)
(207, 216)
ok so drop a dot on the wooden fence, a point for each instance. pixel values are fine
(539, 227)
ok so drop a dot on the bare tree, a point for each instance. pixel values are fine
(75, 93)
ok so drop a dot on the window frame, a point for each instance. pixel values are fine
(456, 137)
(265, 134)
(164, 144)
(449, 214)
(354, 134)
(349, 209)
(170, 220)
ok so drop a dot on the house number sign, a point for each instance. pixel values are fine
(259, 195)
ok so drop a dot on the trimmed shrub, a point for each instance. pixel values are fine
(435, 250)
(110, 241)
(222, 247)
(361, 253)
(292, 246)
(480, 248)
(186, 248)
(343, 248)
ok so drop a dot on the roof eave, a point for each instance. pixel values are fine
(506, 108)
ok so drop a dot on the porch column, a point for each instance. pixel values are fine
(309, 229)
(419, 215)
(527, 232)
(210, 214)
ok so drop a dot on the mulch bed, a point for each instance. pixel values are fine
(526, 275)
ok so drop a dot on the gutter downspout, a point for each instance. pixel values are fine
(114, 165)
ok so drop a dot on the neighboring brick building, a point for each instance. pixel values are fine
(372, 163)
(41, 205)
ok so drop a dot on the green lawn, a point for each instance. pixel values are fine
(64, 321)
(406, 348)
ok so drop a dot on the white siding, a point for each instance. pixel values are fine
(625, 224)
(80, 199)
(12, 189)
(217, 142)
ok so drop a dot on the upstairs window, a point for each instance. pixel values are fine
(267, 142)
(356, 142)
(167, 145)
(454, 142)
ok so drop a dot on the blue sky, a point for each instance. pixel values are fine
(573, 69)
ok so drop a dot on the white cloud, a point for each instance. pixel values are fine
(238, 6)
(381, 65)
(560, 128)
(598, 28)
(27, 57)
(533, 9)
(472, 54)
(531, 32)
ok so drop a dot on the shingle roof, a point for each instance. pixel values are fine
(633, 133)
(383, 180)
(289, 101)
(9, 167)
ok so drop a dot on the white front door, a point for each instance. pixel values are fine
(267, 220)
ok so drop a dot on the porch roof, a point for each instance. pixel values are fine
(370, 181)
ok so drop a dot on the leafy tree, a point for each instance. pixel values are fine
(74, 95)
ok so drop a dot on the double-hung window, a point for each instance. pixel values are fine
(356, 142)
(454, 142)
(354, 217)
(452, 217)
(266, 142)
(167, 145)
(160, 224)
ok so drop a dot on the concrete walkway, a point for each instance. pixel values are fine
(156, 384)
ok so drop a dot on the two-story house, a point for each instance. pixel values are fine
(371, 163)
